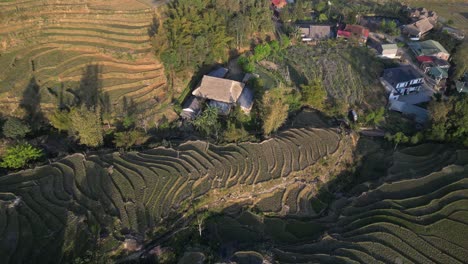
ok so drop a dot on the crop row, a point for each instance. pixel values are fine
(412, 220)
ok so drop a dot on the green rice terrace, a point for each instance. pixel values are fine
(54, 212)
(416, 212)
(61, 46)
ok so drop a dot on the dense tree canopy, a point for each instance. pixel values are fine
(449, 120)
(198, 32)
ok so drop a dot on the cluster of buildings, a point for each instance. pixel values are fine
(422, 21)
(430, 66)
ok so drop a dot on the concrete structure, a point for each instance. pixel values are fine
(402, 81)
(313, 33)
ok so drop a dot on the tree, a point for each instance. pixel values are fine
(18, 156)
(127, 139)
(60, 120)
(15, 128)
(398, 138)
(207, 122)
(262, 51)
(375, 117)
(314, 95)
(274, 110)
(86, 126)
(323, 18)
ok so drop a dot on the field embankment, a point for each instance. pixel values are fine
(53, 212)
(65, 46)
(416, 212)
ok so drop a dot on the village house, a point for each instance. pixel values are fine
(224, 94)
(354, 32)
(279, 3)
(429, 48)
(402, 81)
(192, 106)
(434, 67)
(313, 33)
(389, 51)
(418, 29)
(421, 13)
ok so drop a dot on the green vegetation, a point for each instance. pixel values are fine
(18, 156)
(375, 117)
(15, 128)
(207, 29)
(82, 124)
(275, 110)
(460, 60)
(449, 120)
(314, 95)
(390, 27)
(79, 192)
(127, 139)
(207, 122)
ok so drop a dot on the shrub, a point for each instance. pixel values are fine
(127, 139)
(262, 51)
(314, 95)
(18, 156)
(247, 64)
(274, 110)
(375, 117)
(207, 122)
(15, 128)
(234, 134)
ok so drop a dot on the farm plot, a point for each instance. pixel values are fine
(136, 192)
(417, 217)
(348, 74)
(53, 42)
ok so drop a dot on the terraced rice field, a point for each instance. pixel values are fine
(418, 214)
(55, 42)
(47, 211)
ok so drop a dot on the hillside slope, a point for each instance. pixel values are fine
(60, 50)
(415, 213)
(53, 212)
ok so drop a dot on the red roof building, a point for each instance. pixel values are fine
(357, 32)
(424, 59)
(279, 3)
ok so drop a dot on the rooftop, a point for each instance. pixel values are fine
(246, 100)
(218, 89)
(315, 32)
(419, 27)
(438, 72)
(401, 74)
(428, 47)
(389, 47)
